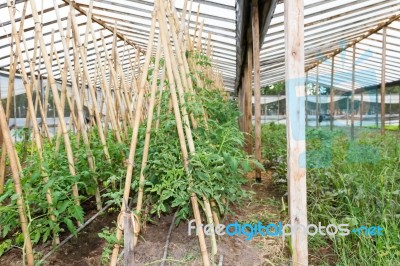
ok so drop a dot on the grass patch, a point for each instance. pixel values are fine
(356, 182)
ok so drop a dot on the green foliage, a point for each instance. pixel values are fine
(275, 89)
(216, 169)
(110, 238)
(352, 182)
(4, 246)
(55, 168)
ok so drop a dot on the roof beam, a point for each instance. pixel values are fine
(366, 35)
(243, 29)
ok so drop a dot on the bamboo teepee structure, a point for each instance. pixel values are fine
(118, 100)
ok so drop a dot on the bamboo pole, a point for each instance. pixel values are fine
(38, 141)
(133, 145)
(294, 75)
(106, 89)
(91, 89)
(34, 86)
(11, 82)
(257, 87)
(12, 155)
(183, 21)
(148, 134)
(173, 77)
(353, 85)
(78, 101)
(383, 82)
(177, 77)
(160, 99)
(182, 61)
(53, 85)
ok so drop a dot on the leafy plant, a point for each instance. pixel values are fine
(355, 182)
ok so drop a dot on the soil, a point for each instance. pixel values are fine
(265, 206)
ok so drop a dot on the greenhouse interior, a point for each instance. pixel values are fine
(200, 132)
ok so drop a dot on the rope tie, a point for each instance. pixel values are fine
(135, 221)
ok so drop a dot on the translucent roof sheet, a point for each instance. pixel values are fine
(329, 25)
(132, 18)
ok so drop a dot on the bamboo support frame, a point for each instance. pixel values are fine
(78, 101)
(37, 136)
(92, 94)
(12, 155)
(53, 85)
(148, 134)
(11, 81)
(133, 145)
(174, 80)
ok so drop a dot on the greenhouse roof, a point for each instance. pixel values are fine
(331, 26)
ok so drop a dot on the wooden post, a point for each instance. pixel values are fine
(383, 82)
(390, 105)
(353, 85)
(241, 109)
(316, 99)
(257, 87)
(295, 126)
(361, 107)
(376, 107)
(347, 110)
(306, 92)
(248, 101)
(332, 95)
(128, 225)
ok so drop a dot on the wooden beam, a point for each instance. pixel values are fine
(100, 22)
(359, 39)
(257, 87)
(353, 85)
(244, 25)
(295, 126)
(383, 82)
